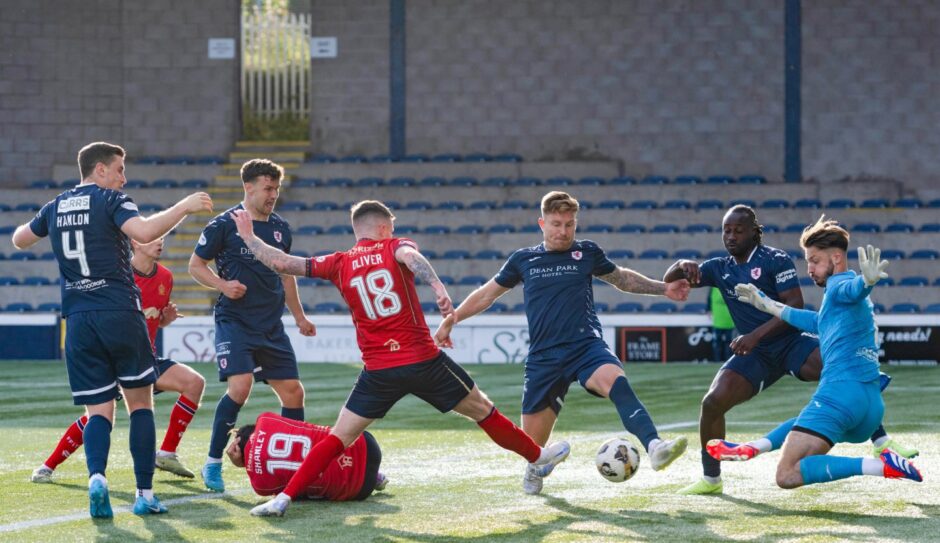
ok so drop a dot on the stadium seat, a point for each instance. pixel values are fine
(435, 229)
(719, 180)
(611, 204)
(698, 229)
(507, 157)
(628, 307)
(501, 229)
(599, 228)
(305, 182)
(905, 307)
(664, 229)
(709, 204)
(687, 254)
(886, 282)
(930, 228)
(342, 182)
(472, 280)
(515, 204)
(807, 203)
(899, 227)
(591, 181)
(622, 180)
(327, 308)
(875, 203)
(531, 228)
(642, 204)
(497, 307)
(36, 280)
(878, 308)
(662, 307)
(654, 180)
(402, 182)
(181, 160)
(432, 182)
(43, 184)
(9, 280)
(909, 203)
(469, 229)
(5, 207)
(743, 202)
(22, 255)
(558, 181)
(49, 306)
(7, 230)
(406, 229)
(866, 227)
(28, 207)
(716, 253)
(775, 203)
(455, 254)
(913, 281)
(794, 228)
(352, 159)
(695, 307)
(446, 157)
(770, 228)
(489, 254)
(654, 254)
(752, 179)
(687, 180)
(450, 205)
(367, 182)
(195, 184)
(381, 159)
(418, 205)
(324, 205)
(429, 254)
(632, 229)
(429, 308)
(464, 181)
(292, 206)
(165, 184)
(339, 229)
(601, 307)
(19, 307)
(518, 308)
(208, 160)
(48, 255)
(919, 254)
(483, 204)
(527, 182)
(932, 308)
(677, 204)
(841, 203)
(478, 157)
(321, 158)
(618, 254)
(72, 182)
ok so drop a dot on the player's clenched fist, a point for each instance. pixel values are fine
(233, 289)
(198, 201)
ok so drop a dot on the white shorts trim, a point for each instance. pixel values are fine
(95, 391)
(136, 377)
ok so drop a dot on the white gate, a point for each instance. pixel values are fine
(276, 63)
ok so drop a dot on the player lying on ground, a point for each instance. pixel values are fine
(273, 448)
(156, 285)
(847, 405)
(767, 348)
(376, 278)
(566, 342)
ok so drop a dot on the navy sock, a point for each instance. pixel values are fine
(710, 466)
(296, 413)
(634, 416)
(97, 437)
(879, 433)
(226, 413)
(143, 438)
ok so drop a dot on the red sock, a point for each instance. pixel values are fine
(509, 436)
(182, 413)
(313, 465)
(69, 443)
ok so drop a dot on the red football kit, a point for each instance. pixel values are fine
(155, 292)
(278, 446)
(382, 298)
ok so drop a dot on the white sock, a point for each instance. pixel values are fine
(97, 477)
(762, 445)
(48, 468)
(881, 441)
(873, 466)
(282, 497)
(164, 454)
(712, 480)
(147, 493)
(653, 444)
(210, 460)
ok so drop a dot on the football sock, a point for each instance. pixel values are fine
(226, 413)
(145, 493)
(880, 434)
(97, 438)
(182, 414)
(873, 466)
(69, 443)
(762, 445)
(878, 442)
(779, 434)
(296, 413)
(710, 466)
(823, 468)
(635, 418)
(509, 436)
(143, 438)
(313, 465)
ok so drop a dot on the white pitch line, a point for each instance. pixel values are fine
(36, 523)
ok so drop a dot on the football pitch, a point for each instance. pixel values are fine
(449, 483)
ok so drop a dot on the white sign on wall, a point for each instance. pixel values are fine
(221, 48)
(323, 47)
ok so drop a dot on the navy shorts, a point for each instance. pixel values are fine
(770, 361)
(440, 382)
(104, 349)
(240, 350)
(549, 373)
(163, 365)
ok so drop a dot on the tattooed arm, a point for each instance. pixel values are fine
(271, 257)
(627, 280)
(419, 265)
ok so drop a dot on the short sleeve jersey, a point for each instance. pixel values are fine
(557, 289)
(84, 226)
(155, 290)
(769, 269)
(382, 298)
(263, 302)
(279, 445)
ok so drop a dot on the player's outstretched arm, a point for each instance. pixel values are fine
(477, 302)
(419, 265)
(800, 318)
(627, 280)
(683, 269)
(147, 229)
(271, 257)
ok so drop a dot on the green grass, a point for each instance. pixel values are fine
(449, 484)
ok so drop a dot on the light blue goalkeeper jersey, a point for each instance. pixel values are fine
(846, 327)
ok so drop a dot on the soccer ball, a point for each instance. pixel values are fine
(617, 460)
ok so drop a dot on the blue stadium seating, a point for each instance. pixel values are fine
(886, 282)
(518, 308)
(501, 229)
(807, 203)
(43, 184)
(469, 229)
(305, 182)
(150, 208)
(456, 254)
(688, 254)
(878, 308)
(472, 280)
(719, 180)
(709, 204)
(418, 205)
(342, 182)
(324, 205)
(483, 204)
(48, 255)
(677, 204)
(446, 279)
(611, 204)
(402, 182)
(601, 307)
(618, 254)
(914, 281)
(794, 228)
(406, 229)
(664, 229)
(841, 203)
(207, 160)
(559, 181)
(327, 308)
(743, 202)
(367, 182)
(432, 182)
(36, 280)
(429, 308)
(662, 307)
(657, 254)
(22, 255)
(19, 307)
(165, 184)
(775, 203)
(622, 180)
(866, 227)
(932, 308)
(695, 307)
(7, 230)
(591, 181)
(464, 181)
(195, 184)
(687, 180)
(429, 254)
(752, 179)
(716, 253)
(891, 254)
(515, 204)
(73, 182)
(478, 157)
(654, 180)
(339, 229)
(446, 157)
(920, 254)
(415, 158)
(931, 228)
(8, 280)
(899, 227)
(527, 182)
(451, 205)
(5, 207)
(49, 306)
(507, 157)
(353, 159)
(875, 203)
(628, 307)
(149, 159)
(321, 158)
(599, 228)
(909, 203)
(436, 229)
(497, 307)
(770, 228)
(642, 204)
(905, 307)
(532, 228)
(632, 229)
(292, 206)
(181, 160)
(28, 207)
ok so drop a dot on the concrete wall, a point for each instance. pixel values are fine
(134, 73)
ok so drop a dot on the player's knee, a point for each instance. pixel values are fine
(291, 394)
(195, 387)
(788, 477)
(715, 403)
(239, 391)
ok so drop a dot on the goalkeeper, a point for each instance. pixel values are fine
(847, 405)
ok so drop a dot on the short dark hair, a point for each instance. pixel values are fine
(559, 202)
(256, 167)
(369, 207)
(244, 433)
(93, 153)
(751, 214)
(825, 235)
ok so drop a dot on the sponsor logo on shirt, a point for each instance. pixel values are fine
(785, 276)
(86, 285)
(162, 290)
(392, 345)
(77, 203)
(576, 255)
(151, 313)
(561, 269)
(344, 461)
(755, 273)
(534, 258)
(202, 239)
